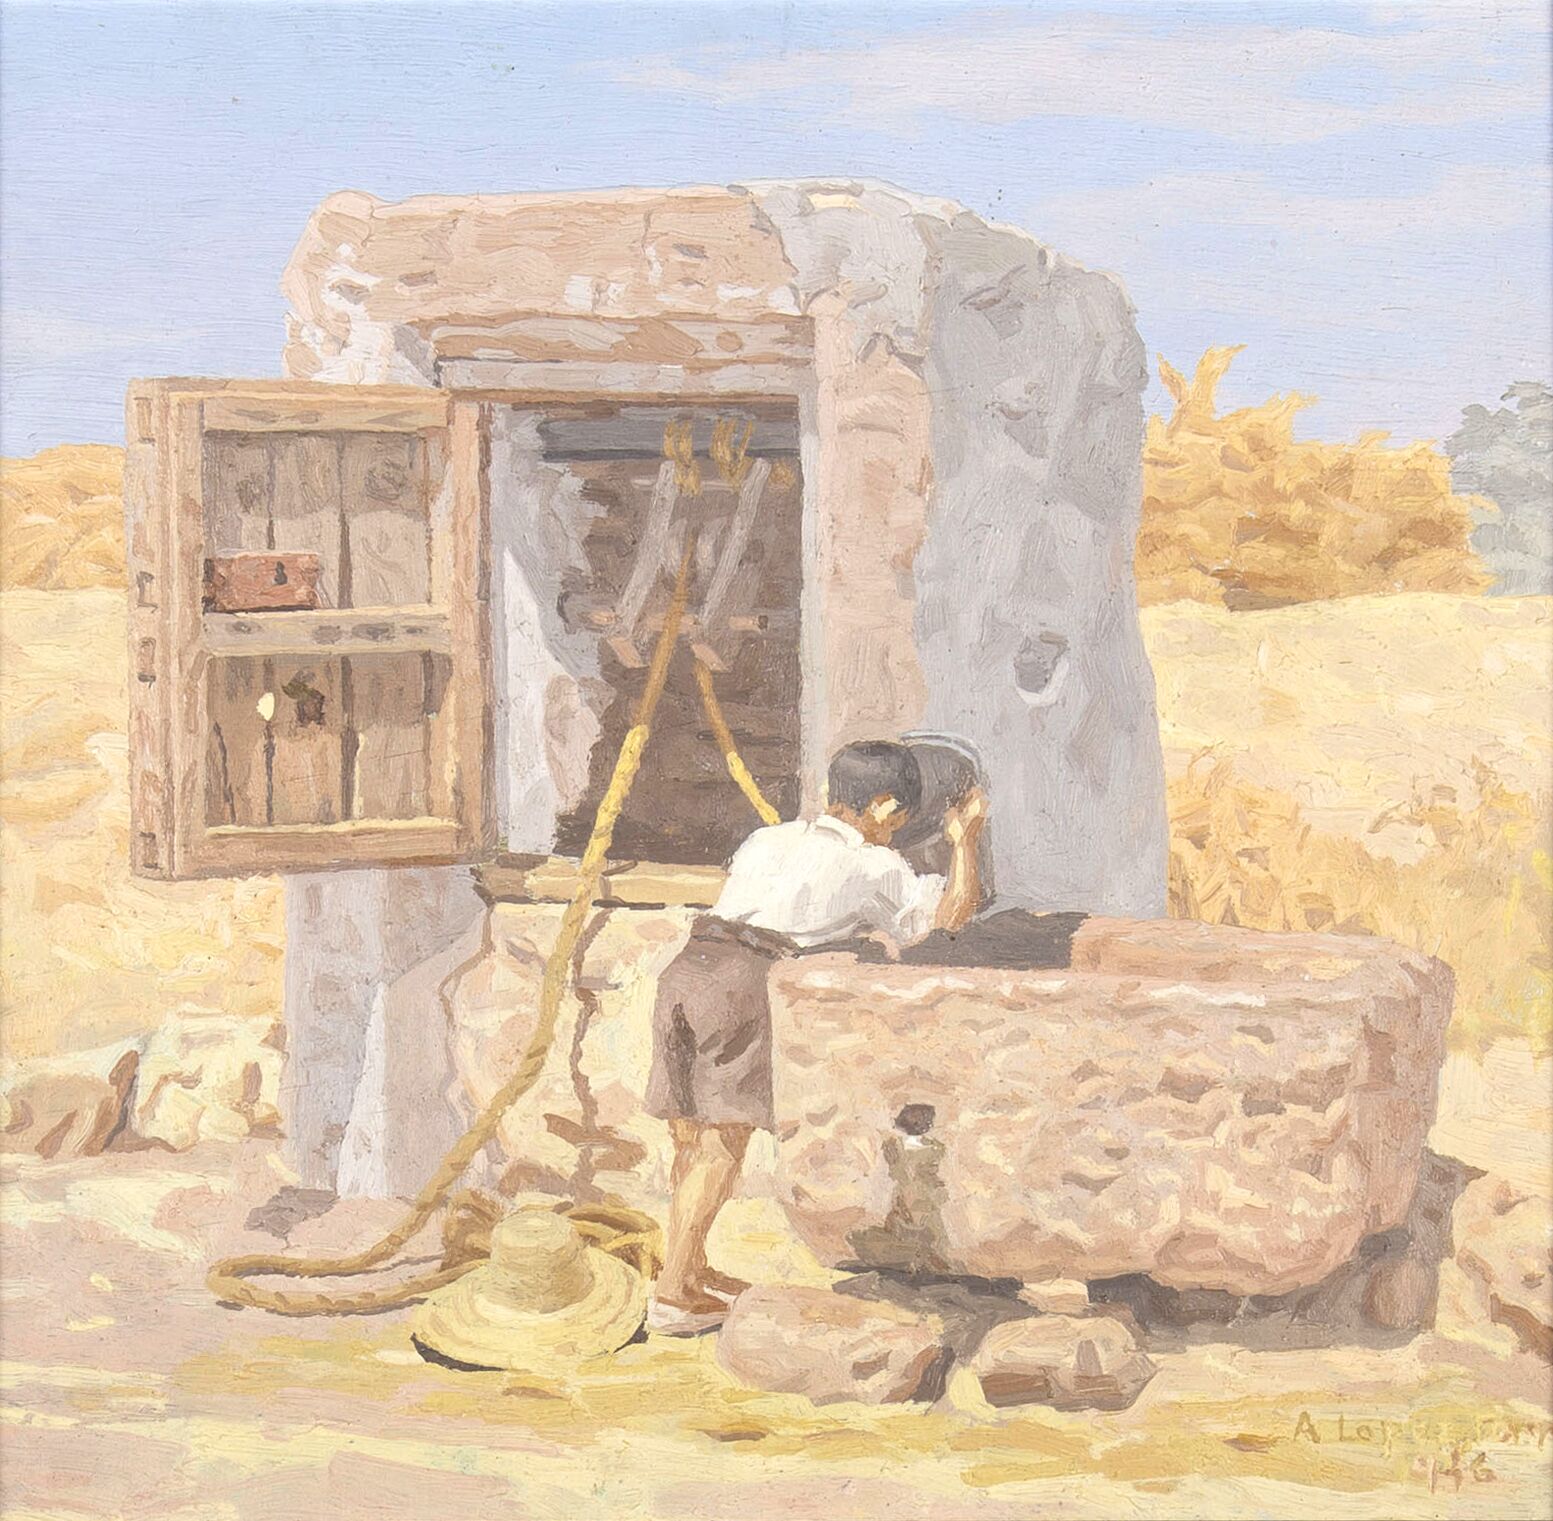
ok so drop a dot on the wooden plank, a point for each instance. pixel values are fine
(391, 761)
(384, 560)
(551, 336)
(442, 759)
(731, 556)
(239, 851)
(305, 504)
(358, 830)
(554, 879)
(308, 740)
(386, 521)
(652, 550)
(238, 490)
(150, 693)
(189, 734)
(240, 747)
(443, 762)
(466, 738)
(329, 409)
(536, 383)
(560, 410)
(583, 435)
(352, 631)
(437, 493)
(322, 392)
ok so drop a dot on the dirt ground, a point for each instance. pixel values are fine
(128, 1392)
(1403, 728)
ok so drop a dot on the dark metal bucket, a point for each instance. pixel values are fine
(950, 767)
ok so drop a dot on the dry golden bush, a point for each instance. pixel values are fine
(61, 518)
(1238, 512)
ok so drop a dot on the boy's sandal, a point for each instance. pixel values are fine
(664, 1318)
(721, 1285)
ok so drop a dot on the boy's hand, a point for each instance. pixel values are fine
(964, 821)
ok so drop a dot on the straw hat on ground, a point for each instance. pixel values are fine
(543, 1302)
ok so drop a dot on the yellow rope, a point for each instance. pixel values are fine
(731, 757)
(229, 1279)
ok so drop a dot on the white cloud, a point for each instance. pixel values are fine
(1466, 201)
(1189, 70)
(1467, 254)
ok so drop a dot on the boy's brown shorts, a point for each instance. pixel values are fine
(711, 1028)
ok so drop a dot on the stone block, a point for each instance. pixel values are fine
(212, 1077)
(1071, 1362)
(1237, 1130)
(207, 1079)
(965, 1307)
(829, 1346)
(581, 1131)
(67, 1106)
(1057, 1296)
(1503, 1240)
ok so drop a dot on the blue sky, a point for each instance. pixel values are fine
(1360, 194)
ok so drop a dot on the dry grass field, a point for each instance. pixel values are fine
(1374, 764)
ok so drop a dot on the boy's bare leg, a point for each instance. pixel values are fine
(707, 1159)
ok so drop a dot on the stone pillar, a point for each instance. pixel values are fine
(870, 506)
(1027, 619)
(364, 1096)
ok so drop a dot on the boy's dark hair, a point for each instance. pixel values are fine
(874, 768)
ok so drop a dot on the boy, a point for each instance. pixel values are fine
(790, 887)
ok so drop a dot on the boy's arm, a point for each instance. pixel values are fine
(962, 895)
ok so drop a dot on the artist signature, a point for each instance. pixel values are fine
(1454, 1451)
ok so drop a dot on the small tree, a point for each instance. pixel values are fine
(1507, 456)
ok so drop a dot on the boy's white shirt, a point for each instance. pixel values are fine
(818, 880)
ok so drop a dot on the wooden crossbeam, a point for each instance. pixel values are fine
(329, 631)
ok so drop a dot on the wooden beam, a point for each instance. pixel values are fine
(329, 631)
(147, 498)
(235, 850)
(185, 386)
(561, 337)
(538, 382)
(553, 879)
(343, 412)
(470, 761)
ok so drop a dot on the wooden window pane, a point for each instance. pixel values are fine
(386, 524)
(392, 756)
(306, 503)
(307, 764)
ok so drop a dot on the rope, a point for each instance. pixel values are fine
(731, 757)
(229, 1279)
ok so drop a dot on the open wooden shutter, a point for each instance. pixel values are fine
(308, 627)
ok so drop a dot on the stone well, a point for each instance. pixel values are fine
(1220, 1109)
